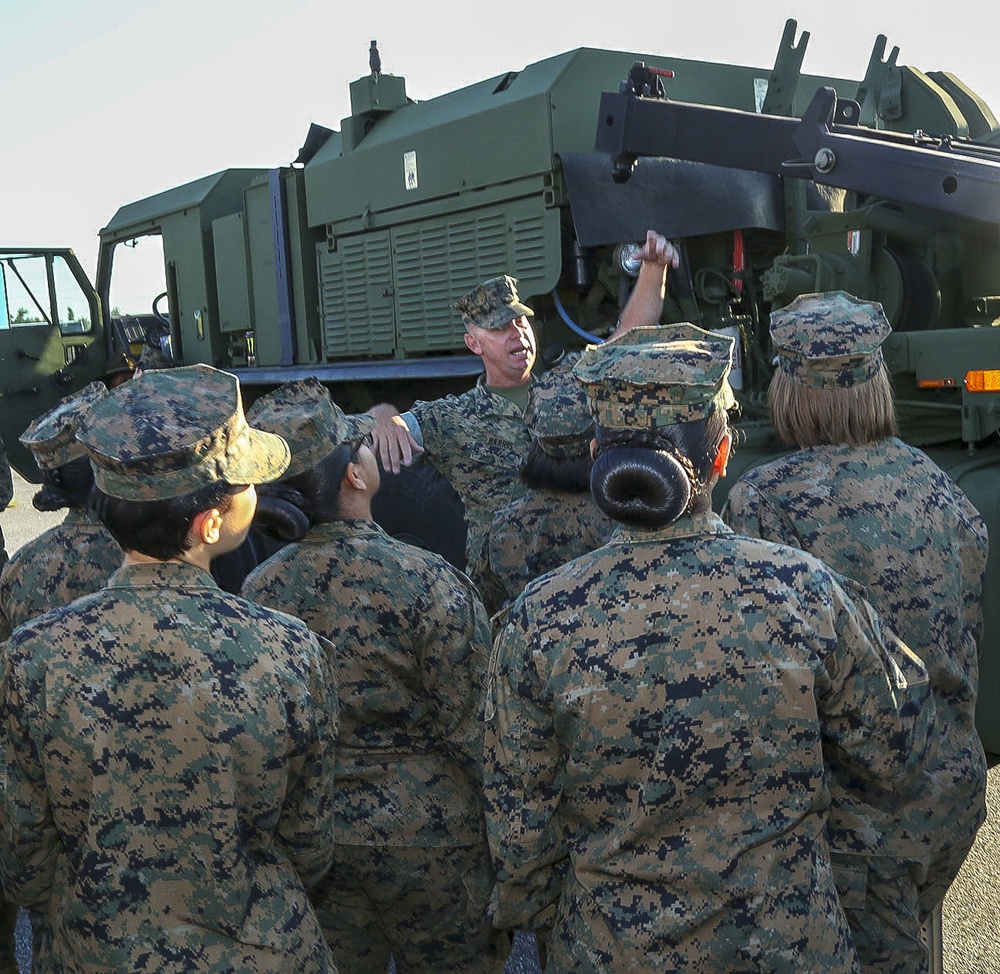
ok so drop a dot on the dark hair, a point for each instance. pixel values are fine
(159, 529)
(67, 485)
(286, 510)
(541, 471)
(649, 478)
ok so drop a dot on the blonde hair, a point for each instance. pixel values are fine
(852, 415)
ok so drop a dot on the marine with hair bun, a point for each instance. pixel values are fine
(666, 714)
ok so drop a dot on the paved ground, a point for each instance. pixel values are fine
(971, 922)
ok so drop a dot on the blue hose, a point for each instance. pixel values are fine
(572, 325)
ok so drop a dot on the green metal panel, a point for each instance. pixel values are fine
(231, 272)
(437, 261)
(46, 355)
(263, 278)
(305, 285)
(499, 130)
(213, 196)
(190, 259)
(356, 298)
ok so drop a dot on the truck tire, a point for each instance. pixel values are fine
(419, 506)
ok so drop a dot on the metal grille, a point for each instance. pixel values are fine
(437, 263)
(382, 298)
(356, 298)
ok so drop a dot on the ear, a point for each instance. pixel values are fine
(353, 478)
(207, 526)
(593, 449)
(472, 343)
(721, 460)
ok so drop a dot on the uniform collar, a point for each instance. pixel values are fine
(166, 574)
(686, 526)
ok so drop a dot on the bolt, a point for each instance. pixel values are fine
(825, 160)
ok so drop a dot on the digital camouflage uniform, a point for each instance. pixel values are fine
(8, 912)
(479, 441)
(544, 529)
(534, 534)
(69, 560)
(670, 710)
(73, 558)
(170, 747)
(886, 516)
(411, 872)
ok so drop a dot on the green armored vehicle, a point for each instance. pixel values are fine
(344, 263)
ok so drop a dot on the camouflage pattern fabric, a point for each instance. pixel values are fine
(383, 905)
(531, 536)
(829, 339)
(72, 559)
(169, 787)
(52, 436)
(677, 374)
(888, 517)
(665, 717)
(171, 432)
(303, 413)
(492, 304)
(6, 479)
(412, 642)
(479, 441)
(558, 414)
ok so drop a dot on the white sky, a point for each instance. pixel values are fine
(109, 101)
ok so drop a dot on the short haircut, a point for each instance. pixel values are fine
(849, 415)
(159, 529)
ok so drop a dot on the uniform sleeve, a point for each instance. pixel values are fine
(306, 827)
(454, 653)
(413, 425)
(29, 841)
(749, 513)
(521, 783)
(877, 708)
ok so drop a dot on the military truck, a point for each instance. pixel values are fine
(343, 263)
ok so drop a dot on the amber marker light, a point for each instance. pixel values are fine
(983, 380)
(936, 383)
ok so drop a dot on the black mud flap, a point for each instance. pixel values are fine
(680, 199)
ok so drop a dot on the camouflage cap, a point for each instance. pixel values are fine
(169, 432)
(492, 304)
(306, 417)
(52, 437)
(152, 357)
(830, 339)
(679, 376)
(557, 414)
